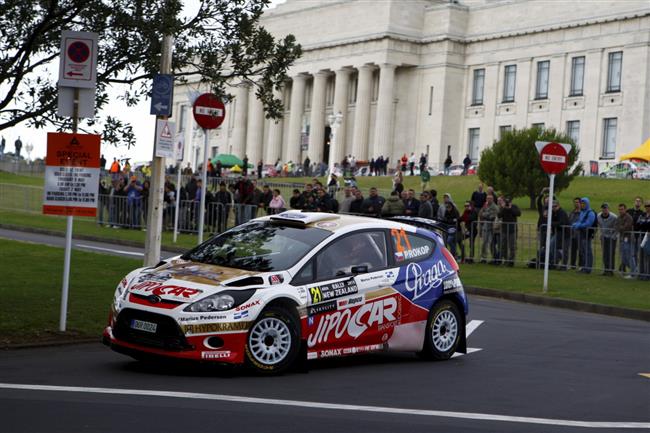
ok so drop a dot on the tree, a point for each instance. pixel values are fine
(512, 164)
(220, 43)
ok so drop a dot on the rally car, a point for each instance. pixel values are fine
(293, 287)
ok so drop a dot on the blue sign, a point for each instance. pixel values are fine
(162, 95)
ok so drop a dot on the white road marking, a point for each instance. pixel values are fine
(469, 328)
(110, 249)
(330, 406)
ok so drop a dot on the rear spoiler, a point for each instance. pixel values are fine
(424, 223)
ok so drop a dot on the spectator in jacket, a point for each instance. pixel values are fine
(426, 209)
(574, 216)
(469, 230)
(643, 225)
(277, 203)
(607, 227)
(266, 198)
(624, 227)
(560, 236)
(478, 197)
(486, 217)
(357, 203)
(452, 220)
(585, 225)
(347, 200)
(297, 201)
(223, 199)
(393, 206)
(373, 204)
(508, 213)
(635, 212)
(411, 204)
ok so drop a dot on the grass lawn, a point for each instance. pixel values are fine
(6, 177)
(31, 291)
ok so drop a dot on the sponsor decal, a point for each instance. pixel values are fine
(276, 279)
(413, 253)
(216, 355)
(328, 353)
(124, 282)
(202, 317)
(354, 322)
(390, 274)
(159, 277)
(321, 308)
(241, 315)
(310, 321)
(292, 215)
(327, 225)
(207, 328)
(333, 290)
(160, 289)
(370, 278)
(452, 285)
(248, 305)
(419, 282)
(350, 302)
(302, 293)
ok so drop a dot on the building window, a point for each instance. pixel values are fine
(352, 91)
(503, 129)
(614, 72)
(577, 76)
(573, 130)
(541, 89)
(539, 126)
(375, 86)
(430, 100)
(182, 118)
(473, 143)
(477, 87)
(609, 137)
(510, 75)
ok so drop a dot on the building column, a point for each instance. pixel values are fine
(362, 113)
(241, 113)
(292, 151)
(254, 128)
(385, 111)
(274, 140)
(341, 87)
(317, 120)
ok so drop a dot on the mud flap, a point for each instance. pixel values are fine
(300, 365)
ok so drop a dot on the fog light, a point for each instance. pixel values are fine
(213, 342)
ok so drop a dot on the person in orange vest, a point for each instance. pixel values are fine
(115, 169)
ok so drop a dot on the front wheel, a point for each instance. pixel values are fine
(273, 341)
(443, 331)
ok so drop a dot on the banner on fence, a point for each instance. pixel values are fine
(71, 174)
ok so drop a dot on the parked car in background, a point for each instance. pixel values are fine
(624, 170)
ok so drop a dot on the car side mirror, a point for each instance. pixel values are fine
(362, 269)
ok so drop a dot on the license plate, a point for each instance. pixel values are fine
(141, 325)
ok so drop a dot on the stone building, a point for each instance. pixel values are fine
(445, 77)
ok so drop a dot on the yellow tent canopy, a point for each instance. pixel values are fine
(642, 152)
(236, 169)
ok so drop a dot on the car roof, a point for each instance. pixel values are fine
(333, 222)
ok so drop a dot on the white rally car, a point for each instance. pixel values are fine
(296, 286)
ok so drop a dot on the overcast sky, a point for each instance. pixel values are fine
(143, 125)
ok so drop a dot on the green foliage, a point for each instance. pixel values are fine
(220, 43)
(512, 164)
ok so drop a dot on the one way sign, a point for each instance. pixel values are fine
(162, 95)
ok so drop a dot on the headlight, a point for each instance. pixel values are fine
(221, 301)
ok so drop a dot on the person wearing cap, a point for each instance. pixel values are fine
(584, 226)
(643, 225)
(607, 226)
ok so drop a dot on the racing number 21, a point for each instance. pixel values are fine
(398, 237)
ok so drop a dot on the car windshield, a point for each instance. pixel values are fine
(261, 246)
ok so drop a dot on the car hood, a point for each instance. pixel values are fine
(186, 281)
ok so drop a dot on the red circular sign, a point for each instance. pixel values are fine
(209, 111)
(554, 158)
(78, 52)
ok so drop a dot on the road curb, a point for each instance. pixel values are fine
(587, 307)
(122, 242)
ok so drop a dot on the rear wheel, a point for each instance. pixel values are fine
(443, 331)
(273, 341)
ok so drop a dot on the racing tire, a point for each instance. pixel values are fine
(273, 342)
(443, 332)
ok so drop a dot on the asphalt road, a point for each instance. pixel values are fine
(539, 370)
(96, 247)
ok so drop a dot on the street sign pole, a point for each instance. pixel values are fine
(547, 252)
(178, 200)
(204, 179)
(156, 200)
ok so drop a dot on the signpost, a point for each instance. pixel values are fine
(554, 158)
(78, 59)
(165, 133)
(209, 112)
(162, 95)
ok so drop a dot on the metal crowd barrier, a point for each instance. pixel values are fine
(24, 198)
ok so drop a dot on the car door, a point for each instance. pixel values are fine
(347, 308)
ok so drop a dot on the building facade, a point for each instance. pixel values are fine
(444, 77)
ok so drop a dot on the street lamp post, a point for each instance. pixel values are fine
(29, 147)
(335, 122)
